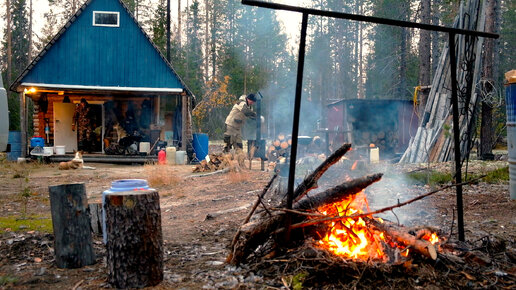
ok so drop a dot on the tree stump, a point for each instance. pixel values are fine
(71, 222)
(134, 239)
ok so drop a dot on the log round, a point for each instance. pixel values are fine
(134, 239)
(71, 223)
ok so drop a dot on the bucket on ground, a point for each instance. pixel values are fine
(171, 155)
(14, 139)
(119, 186)
(200, 145)
(60, 149)
(48, 150)
(510, 100)
(180, 157)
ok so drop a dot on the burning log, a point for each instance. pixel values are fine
(422, 247)
(336, 193)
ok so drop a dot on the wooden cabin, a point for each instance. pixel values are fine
(104, 56)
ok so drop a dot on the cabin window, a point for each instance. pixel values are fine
(105, 18)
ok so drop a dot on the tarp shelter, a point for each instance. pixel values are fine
(103, 55)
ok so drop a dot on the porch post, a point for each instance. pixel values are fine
(23, 123)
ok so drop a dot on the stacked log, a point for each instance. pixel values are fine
(433, 141)
(387, 141)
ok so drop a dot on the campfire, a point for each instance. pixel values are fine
(337, 220)
(357, 239)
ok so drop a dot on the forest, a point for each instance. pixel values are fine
(223, 49)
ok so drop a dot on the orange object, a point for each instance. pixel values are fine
(162, 157)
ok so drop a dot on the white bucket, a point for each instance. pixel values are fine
(48, 150)
(180, 157)
(374, 157)
(171, 155)
(145, 147)
(60, 149)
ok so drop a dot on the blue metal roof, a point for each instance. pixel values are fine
(84, 56)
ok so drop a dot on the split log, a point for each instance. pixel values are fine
(134, 239)
(71, 223)
(422, 247)
(96, 218)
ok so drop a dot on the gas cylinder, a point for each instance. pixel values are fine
(162, 157)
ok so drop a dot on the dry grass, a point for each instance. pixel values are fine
(159, 176)
(237, 177)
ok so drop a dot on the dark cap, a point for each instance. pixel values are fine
(251, 97)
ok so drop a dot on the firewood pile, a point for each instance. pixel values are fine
(302, 239)
(433, 141)
(385, 140)
(217, 161)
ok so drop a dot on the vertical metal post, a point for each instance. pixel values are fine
(456, 135)
(295, 125)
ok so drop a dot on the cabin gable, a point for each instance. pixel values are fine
(103, 56)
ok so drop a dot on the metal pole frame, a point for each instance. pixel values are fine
(301, 59)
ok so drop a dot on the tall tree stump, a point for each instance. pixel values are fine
(134, 239)
(71, 222)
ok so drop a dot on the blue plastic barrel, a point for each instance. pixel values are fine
(200, 145)
(14, 139)
(510, 100)
(119, 186)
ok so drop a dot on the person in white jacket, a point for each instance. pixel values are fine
(235, 121)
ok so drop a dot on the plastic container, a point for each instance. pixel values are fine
(145, 147)
(119, 186)
(37, 141)
(14, 139)
(180, 157)
(200, 145)
(162, 157)
(171, 155)
(48, 150)
(60, 149)
(374, 156)
(510, 100)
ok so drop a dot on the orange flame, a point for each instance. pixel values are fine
(351, 237)
(372, 145)
(354, 166)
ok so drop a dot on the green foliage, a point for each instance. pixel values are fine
(435, 178)
(431, 178)
(7, 280)
(298, 279)
(500, 175)
(40, 223)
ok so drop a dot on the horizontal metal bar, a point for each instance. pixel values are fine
(370, 19)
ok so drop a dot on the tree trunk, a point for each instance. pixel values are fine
(96, 218)
(9, 43)
(71, 222)
(134, 239)
(178, 25)
(486, 125)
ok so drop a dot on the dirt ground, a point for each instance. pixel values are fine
(201, 214)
